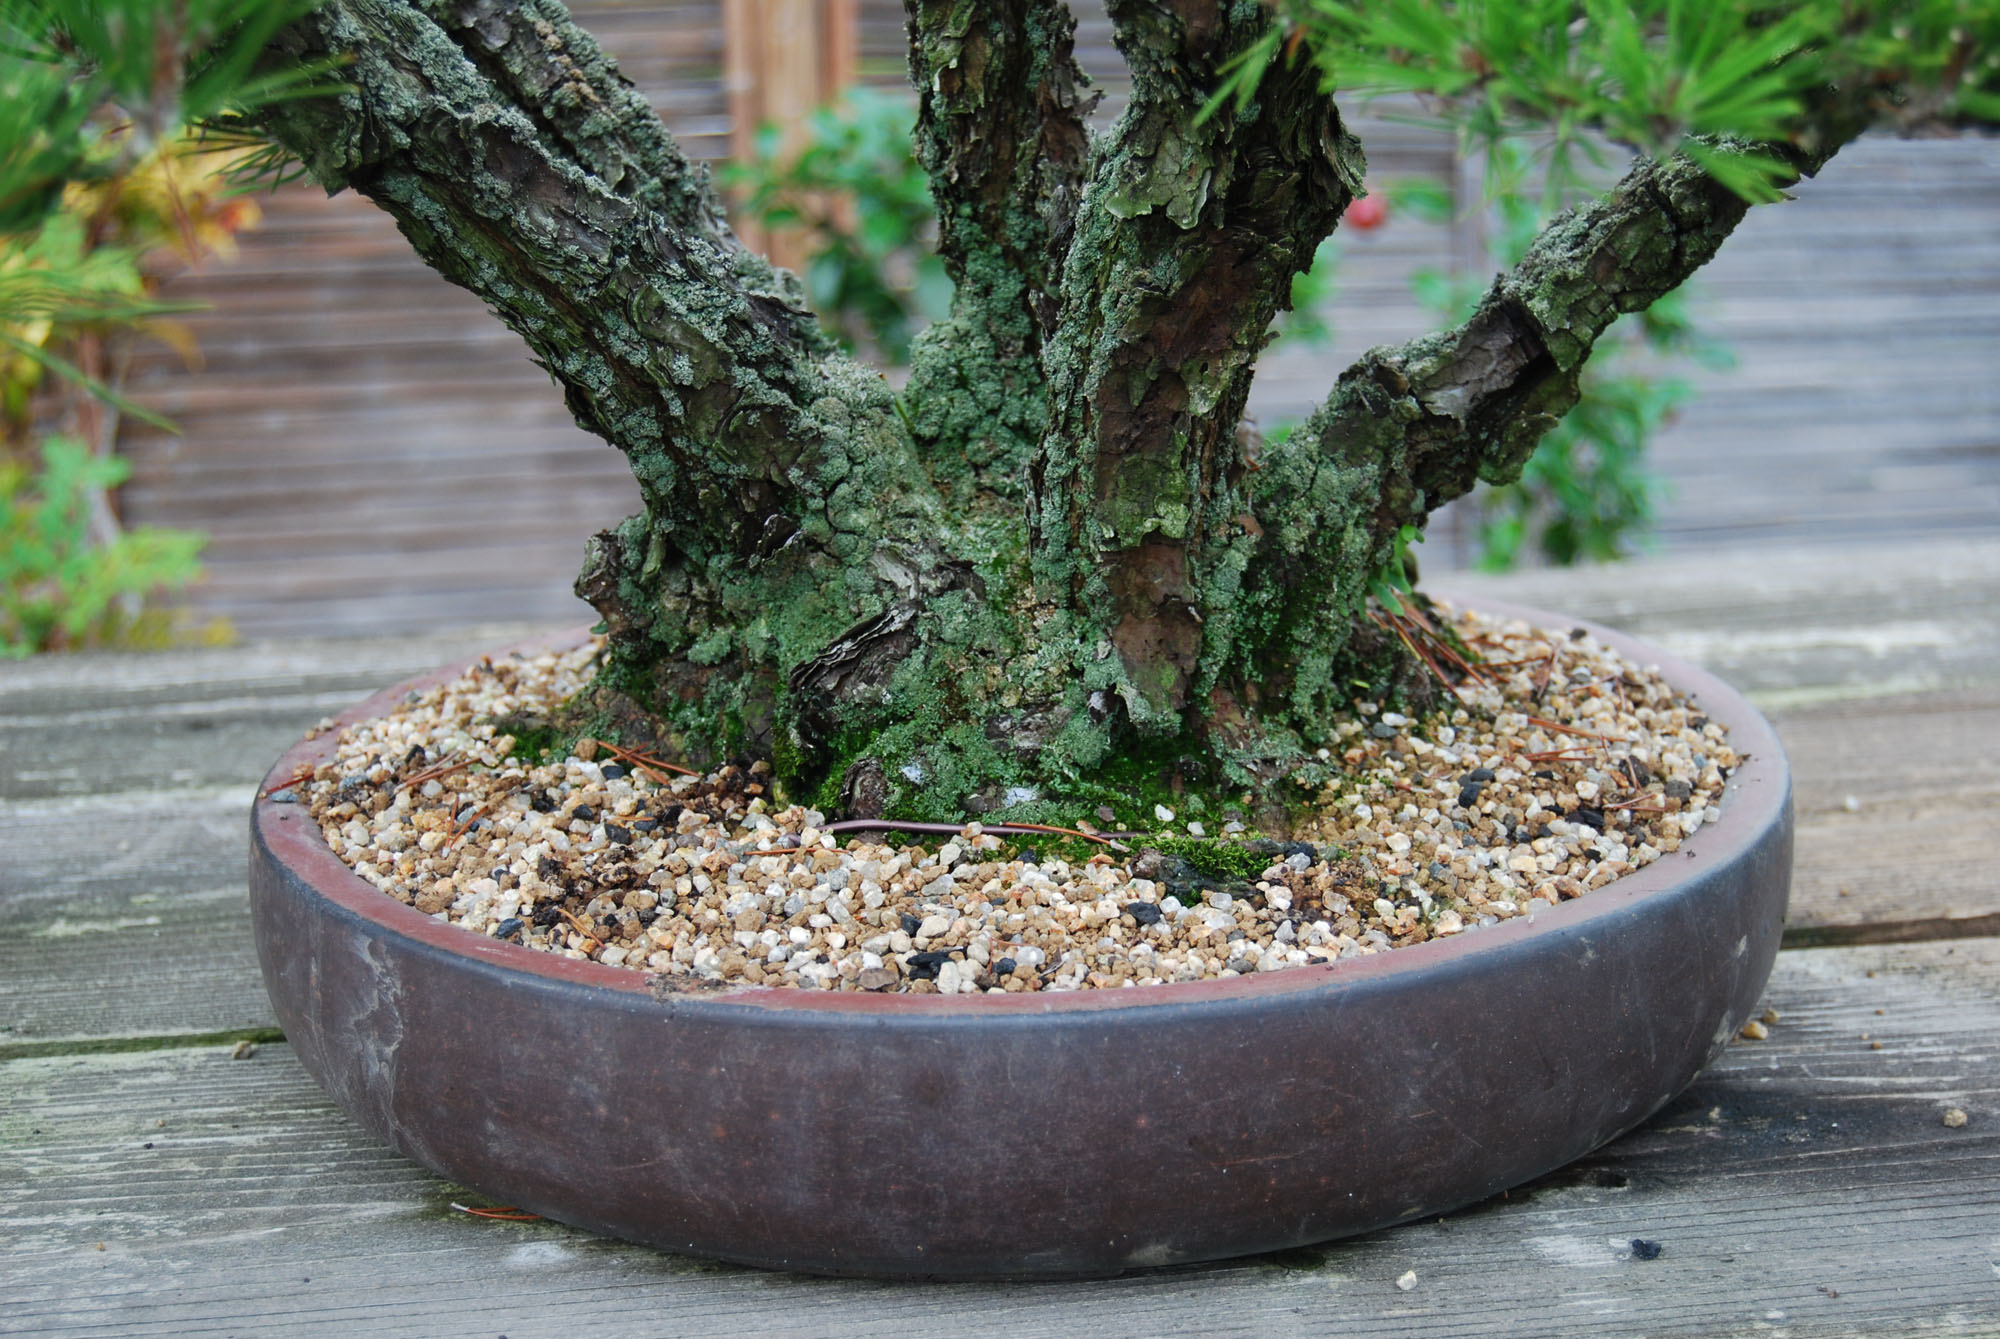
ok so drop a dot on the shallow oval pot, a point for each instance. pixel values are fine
(1035, 1134)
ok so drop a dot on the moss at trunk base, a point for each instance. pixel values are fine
(966, 706)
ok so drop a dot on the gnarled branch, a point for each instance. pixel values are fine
(1407, 429)
(784, 500)
(524, 168)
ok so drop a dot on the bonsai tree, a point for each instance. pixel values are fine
(1057, 566)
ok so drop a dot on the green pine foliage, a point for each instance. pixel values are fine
(1716, 80)
(88, 88)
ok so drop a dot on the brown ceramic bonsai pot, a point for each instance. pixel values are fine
(1028, 1135)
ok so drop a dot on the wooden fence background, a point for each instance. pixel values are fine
(370, 451)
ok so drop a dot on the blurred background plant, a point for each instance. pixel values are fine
(857, 194)
(856, 191)
(123, 152)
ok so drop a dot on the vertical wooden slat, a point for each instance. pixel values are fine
(840, 43)
(785, 58)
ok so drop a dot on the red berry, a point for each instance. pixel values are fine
(1369, 212)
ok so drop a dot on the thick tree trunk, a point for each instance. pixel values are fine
(1058, 569)
(1185, 248)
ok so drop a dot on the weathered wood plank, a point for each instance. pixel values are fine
(125, 782)
(1806, 1186)
(127, 916)
(1896, 803)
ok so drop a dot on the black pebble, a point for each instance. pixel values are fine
(924, 966)
(611, 771)
(911, 923)
(508, 929)
(548, 915)
(584, 812)
(1468, 794)
(1003, 967)
(542, 802)
(670, 814)
(1578, 634)
(547, 867)
(618, 835)
(1480, 774)
(1636, 772)
(645, 824)
(1143, 912)
(1589, 817)
(1029, 856)
(648, 916)
(1545, 775)
(1698, 722)
(1645, 1250)
(1301, 848)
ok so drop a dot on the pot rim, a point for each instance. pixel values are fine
(1754, 799)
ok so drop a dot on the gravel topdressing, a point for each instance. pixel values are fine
(1571, 767)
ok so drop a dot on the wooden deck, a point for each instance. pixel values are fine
(1807, 1185)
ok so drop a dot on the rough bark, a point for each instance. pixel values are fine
(1186, 245)
(1000, 130)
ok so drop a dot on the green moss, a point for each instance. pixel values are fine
(1050, 847)
(534, 738)
(1219, 858)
